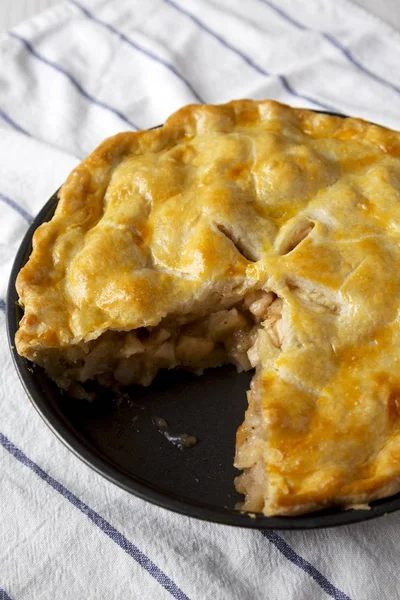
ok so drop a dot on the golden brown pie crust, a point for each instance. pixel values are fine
(219, 202)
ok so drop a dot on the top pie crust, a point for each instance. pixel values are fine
(219, 202)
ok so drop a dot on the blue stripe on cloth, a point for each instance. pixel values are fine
(20, 129)
(346, 53)
(21, 211)
(284, 81)
(4, 595)
(136, 46)
(13, 124)
(72, 79)
(303, 564)
(357, 63)
(2, 305)
(106, 527)
(285, 15)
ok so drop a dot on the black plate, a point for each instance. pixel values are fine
(118, 439)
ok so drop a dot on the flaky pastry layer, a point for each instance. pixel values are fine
(190, 219)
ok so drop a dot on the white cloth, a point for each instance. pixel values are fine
(69, 78)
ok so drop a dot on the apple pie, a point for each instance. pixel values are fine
(249, 233)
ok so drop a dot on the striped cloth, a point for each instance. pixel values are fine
(69, 78)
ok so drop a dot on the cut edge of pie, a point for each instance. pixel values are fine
(254, 282)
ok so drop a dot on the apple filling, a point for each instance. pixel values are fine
(230, 336)
(135, 357)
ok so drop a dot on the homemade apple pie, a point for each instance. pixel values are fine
(249, 233)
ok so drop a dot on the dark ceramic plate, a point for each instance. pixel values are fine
(118, 438)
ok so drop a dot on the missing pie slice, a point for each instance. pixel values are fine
(248, 233)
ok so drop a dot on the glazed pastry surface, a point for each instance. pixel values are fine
(224, 203)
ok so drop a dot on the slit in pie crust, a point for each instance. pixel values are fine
(250, 233)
